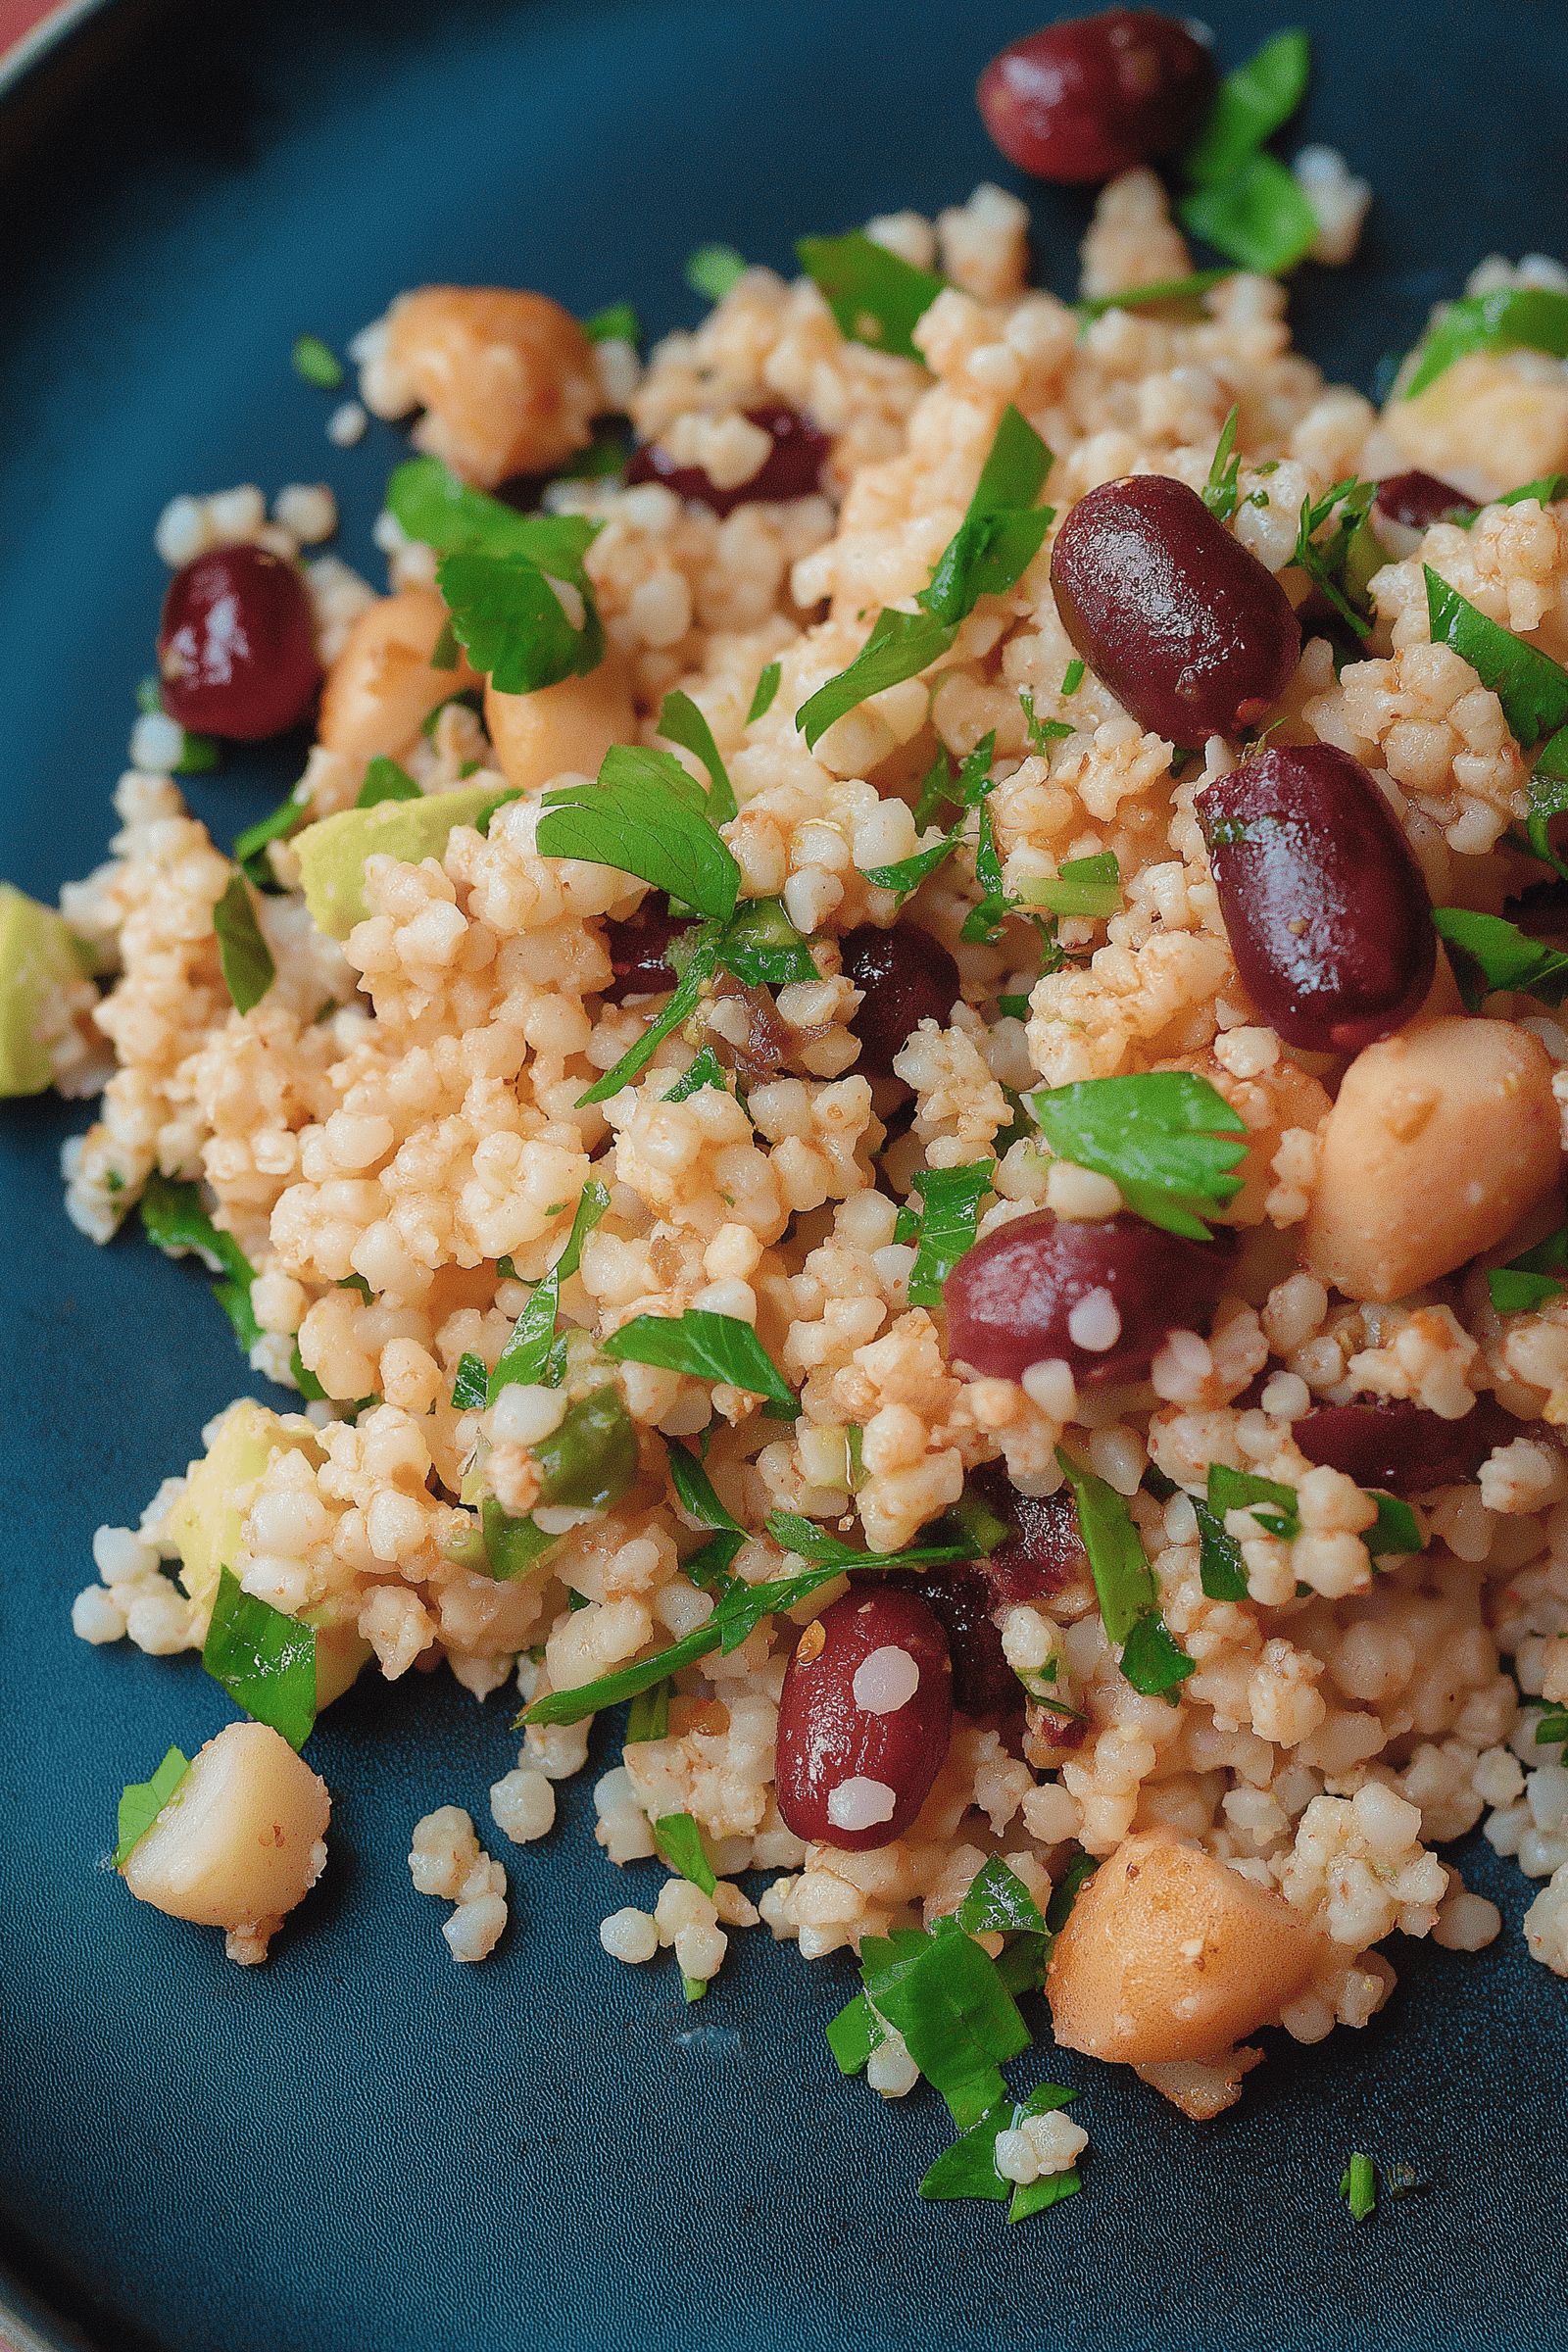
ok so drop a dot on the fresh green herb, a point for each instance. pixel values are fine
(1003, 529)
(1551, 1728)
(969, 2168)
(1221, 1569)
(471, 699)
(950, 1211)
(1160, 290)
(1548, 489)
(1530, 1280)
(248, 967)
(444, 651)
(900, 646)
(175, 1221)
(1250, 104)
(645, 816)
(1222, 489)
(1124, 1582)
(1240, 1491)
(1043, 732)
(875, 297)
(602, 458)
(1395, 1528)
(266, 1661)
(701, 966)
(943, 1993)
(713, 269)
(682, 722)
(1079, 1871)
(317, 363)
(647, 1716)
(1360, 2187)
(1508, 318)
(703, 1071)
(506, 614)
(855, 2034)
(999, 1902)
(696, 1492)
(251, 844)
(429, 502)
(1532, 688)
(767, 688)
(1504, 956)
(198, 754)
(680, 1845)
(935, 800)
(1547, 783)
(1073, 677)
(1260, 217)
(470, 1388)
(1324, 560)
(1163, 1138)
(142, 1802)
(1013, 1008)
(812, 1543)
(761, 947)
(304, 1379)
(707, 1347)
(527, 1356)
(1085, 886)
(385, 780)
(587, 1463)
(619, 324)
(981, 1526)
(356, 1282)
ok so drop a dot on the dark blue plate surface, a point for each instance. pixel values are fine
(361, 2147)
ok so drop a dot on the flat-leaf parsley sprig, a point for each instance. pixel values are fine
(1164, 1139)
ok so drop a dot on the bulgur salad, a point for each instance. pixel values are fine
(892, 1092)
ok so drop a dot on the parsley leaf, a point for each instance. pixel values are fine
(1395, 1529)
(1508, 318)
(703, 1071)
(1240, 1491)
(1505, 956)
(1529, 1280)
(1161, 1138)
(681, 721)
(761, 947)
(317, 363)
(645, 816)
(713, 269)
(969, 2168)
(702, 964)
(696, 1492)
(1085, 886)
(1324, 560)
(999, 1902)
(1002, 531)
(1160, 290)
(264, 1662)
(1360, 2187)
(1043, 732)
(1532, 688)
(943, 1993)
(900, 646)
(768, 686)
(1549, 1729)
(526, 1358)
(250, 845)
(174, 1220)
(647, 1716)
(1221, 490)
(1124, 1584)
(1249, 107)
(680, 1845)
(814, 1544)
(248, 967)
(619, 324)
(470, 1386)
(1220, 1566)
(875, 297)
(142, 1802)
(385, 780)
(950, 1211)
(429, 502)
(1079, 1870)
(707, 1346)
(1260, 217)
(513, 624)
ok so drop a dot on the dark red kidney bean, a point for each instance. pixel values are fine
(865, 1719)
(236, 651)
(1102, 1296)
(1325, 907)
(1188, 630)
(1044, 1550)
(1092, 96)
(792, 469)
(637, 950)
(905, 977)
(1419, 500)
(1401, 1448)
(961, 1599)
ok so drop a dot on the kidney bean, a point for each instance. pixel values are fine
(905, 977)
(637, 950)
(1101, 1297)
(863, 1719)
(1419, 500)
(1398, 1447)
(961, 1599)
(792, 469)
(1044, 1550)
(236, 650)
(1094, 95)
(1186, 627)
(1326, 908)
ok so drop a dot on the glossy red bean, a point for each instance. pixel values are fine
(1094, 95)
(905, 977)
(863, 1719)
(1044, 1550)
(1325, 907)
(236, 652)
(1398, 1447)
(961, 1599)
(1419, 500)
(1188, 630)
(637, 950)
(792, 469)
(1102, 1297)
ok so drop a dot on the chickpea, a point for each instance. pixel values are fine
(240, 1843)
(507, 379)
(381, 684)
(1169, 1954)
(1440, 1139)
(561, 728)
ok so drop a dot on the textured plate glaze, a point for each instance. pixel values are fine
(359, 2147)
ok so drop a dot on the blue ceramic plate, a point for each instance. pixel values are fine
(359, 2147)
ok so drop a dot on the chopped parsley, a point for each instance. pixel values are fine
(532, 1356)
(509, 616)
(429, 502)
(876, 297)
(999, 1902)
(1241, 1490)
(969, 2168)
(142, 1802)
(645, 816)
(702, 965)
(1083, 886)
(1244, 201)
(1532, 688)
(824, 1550)
(711, 1564)
(1073, 677)
(1360, 2187)
(471, 1386)
(1504, 956)
(767, 688)
(246, 959)
(705, 1345)
(1125, 1585)
(619, 324)
(703, 1071)
(1160, 290)
(681, 721)
(250, 847)
(1221, 1570)
(1003, 529)
(761, 947)
(1252, 103)
(588, 1462)
(900, 646)
(317, 363)
(1324, 560)
(1508, 318)
(470, 698)
(1163, 1138)
(680, 1845)
(713, 269)
(972, 784)
(385, 780)
(264, 1662)
(176, 1222)
(1533, 1278)
(1043, 732)
(1551, 1728)
(950, 1211)
(942, 1992)
(647, 1716)
(1395, 1528)
(1221, 490)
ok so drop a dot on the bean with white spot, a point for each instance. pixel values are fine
(863, 1720)
(1094, 1301)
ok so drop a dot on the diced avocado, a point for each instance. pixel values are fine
(37, 957)
(332, 852)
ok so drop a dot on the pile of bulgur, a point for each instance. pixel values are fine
(1339, 1725)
